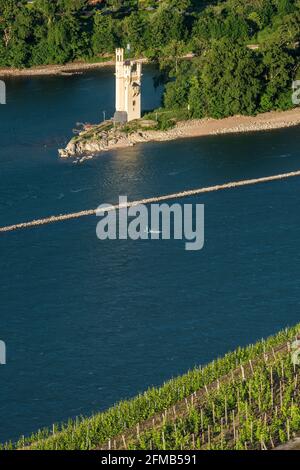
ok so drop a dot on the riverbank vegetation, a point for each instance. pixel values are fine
(57, 31)
(229, 79)
(246, 53)
(247, 399)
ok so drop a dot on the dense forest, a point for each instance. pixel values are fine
(246, 52)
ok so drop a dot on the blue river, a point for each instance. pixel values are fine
(88, 322)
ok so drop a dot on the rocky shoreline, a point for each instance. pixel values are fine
(72, 68)
(105, 136)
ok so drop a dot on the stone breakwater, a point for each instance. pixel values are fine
(105, 137)
(155, 199)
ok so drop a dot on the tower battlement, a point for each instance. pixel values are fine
(128, 88)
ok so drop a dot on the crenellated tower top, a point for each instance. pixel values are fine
(128, 88)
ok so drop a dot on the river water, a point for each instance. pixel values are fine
(87, 323)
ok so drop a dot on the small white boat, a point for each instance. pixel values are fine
(152, 231)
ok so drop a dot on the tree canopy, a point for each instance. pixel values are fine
(247, 51)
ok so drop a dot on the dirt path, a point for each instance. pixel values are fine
(294, 444)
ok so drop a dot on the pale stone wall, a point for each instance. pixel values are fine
(120, 83)
(128, 87)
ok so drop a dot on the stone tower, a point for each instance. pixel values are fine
(128, 88)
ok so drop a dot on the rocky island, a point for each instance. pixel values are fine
(106, 136)
(128, 127)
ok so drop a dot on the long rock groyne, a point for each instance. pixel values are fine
(150, 200)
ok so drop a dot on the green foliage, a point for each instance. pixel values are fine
(176, 94)
(103, 39)
(165, 25)
(85, 433)
(196, 98)
(134, 32)
(278, 70)
(256, 412)
(230, 80)
(43, 32)
(227, 79)
(216, 26)
(170, 57)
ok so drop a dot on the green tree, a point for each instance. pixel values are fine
(196, 99)
(230, 79)
(180, 5)
(177, 93)
(278, 72)
(165, 26)
(134, 29)
(103, 37)
(170, 57)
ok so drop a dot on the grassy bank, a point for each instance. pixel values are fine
(96, 431)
